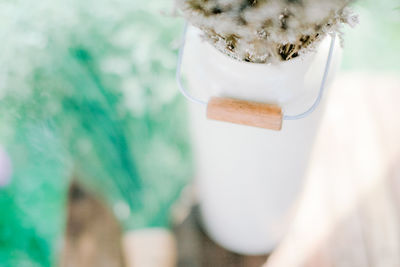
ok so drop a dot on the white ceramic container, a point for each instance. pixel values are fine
(248, 178)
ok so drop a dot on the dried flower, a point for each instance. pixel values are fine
(264, 31)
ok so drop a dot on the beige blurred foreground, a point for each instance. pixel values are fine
(348, 214)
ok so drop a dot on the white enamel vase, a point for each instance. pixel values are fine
(247, 178)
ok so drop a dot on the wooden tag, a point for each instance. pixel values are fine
(243, 112)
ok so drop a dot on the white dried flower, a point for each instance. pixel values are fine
(264, 31)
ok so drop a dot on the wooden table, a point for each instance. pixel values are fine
(347, 214)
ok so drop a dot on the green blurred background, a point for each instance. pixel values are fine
(88, 94)
(374, 43)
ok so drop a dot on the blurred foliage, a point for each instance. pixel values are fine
(87, 91)
(31, 207)
(374, 43)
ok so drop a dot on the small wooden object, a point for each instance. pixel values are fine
(249, 113)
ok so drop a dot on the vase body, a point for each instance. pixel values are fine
(248, 178)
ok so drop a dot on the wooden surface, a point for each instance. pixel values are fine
(93, 239)
(248, 113)
(348, 214)
(93, 236)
